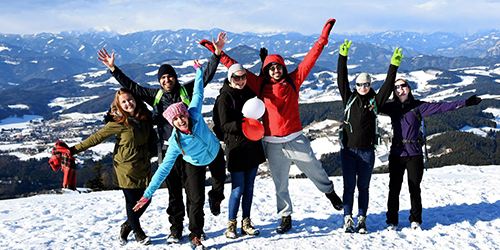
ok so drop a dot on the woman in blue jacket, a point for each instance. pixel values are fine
(199, 147)
(406, 149)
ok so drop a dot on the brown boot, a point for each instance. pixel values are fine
(248, 229)
(231, 229)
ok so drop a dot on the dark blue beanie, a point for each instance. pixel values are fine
(166, 69)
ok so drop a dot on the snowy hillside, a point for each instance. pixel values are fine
(461, 211)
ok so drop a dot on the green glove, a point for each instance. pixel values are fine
(396, 57)
(344, 48)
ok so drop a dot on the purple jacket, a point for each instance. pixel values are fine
(406, 126)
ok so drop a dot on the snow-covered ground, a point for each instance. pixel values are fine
(461, 210)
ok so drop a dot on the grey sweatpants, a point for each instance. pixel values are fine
(299, 151)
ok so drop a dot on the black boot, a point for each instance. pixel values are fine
(141, 238)
(285, 224)
(335, 199)
(214, 204)
(125, 230)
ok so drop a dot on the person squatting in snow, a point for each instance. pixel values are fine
(406, 149)
(198, 146)
(358, 137)
(160, 99)
(284, 141)
(130, 121)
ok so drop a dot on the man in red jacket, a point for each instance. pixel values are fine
(283, 139)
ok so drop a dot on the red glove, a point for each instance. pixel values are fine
(323, 39)
(209, 45)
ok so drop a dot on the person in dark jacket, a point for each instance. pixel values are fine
(406, 149)
(132, 126)
(358, 135)
(172, 92)
(284, 141)
(199, 147)
(243, 155)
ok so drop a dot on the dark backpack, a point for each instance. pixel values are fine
(215, 116)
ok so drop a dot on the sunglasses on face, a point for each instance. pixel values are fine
(276, 67)
(400, 86)
(239, 78)
(366, 84)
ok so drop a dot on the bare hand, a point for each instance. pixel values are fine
(140, 203)
(109, 61)
(219, 44)
(196, 64)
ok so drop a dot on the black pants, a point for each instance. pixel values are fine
(193, 179)
(175, 181)
(415, 167)
(131, 198)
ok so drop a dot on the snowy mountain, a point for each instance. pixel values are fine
(461, 210)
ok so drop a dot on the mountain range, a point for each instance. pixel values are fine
(36, 69)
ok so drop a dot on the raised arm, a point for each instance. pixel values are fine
(304, 68)
(342, 74)
(386, 90)
(146, 94)
(198, 91)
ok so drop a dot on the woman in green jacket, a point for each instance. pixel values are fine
(131, 124)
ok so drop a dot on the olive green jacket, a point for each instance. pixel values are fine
(131, 157)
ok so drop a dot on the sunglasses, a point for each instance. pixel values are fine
(400, 86)
(366, 84)
(239, 78)
(276, 67)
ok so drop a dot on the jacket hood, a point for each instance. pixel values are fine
(273, 59)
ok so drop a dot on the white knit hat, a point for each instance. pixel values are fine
(233, 69)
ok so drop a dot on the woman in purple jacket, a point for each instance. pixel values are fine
(406, 149)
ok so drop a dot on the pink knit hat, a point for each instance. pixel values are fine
(174, 110)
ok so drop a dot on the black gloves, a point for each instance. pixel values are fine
(473, 100)
(263, 54)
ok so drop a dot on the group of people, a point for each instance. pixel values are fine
(187, 145)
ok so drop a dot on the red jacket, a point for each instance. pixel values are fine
(282, 101)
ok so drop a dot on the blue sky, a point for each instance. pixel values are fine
(303, 16)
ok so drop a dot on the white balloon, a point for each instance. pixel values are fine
(253, 108)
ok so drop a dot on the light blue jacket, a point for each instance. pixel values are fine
(200, 147)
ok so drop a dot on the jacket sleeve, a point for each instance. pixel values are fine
(431, 108)
(343, 80)
(230, 118)
(300, 74)
(112, 128)
(208, 74)
(162, 171)
(198, 91)
(146, 94)
(386, 90)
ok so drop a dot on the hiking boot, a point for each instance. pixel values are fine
(247, 228)
(348, 224)
(125, 230)
(335, 200)
(285, 224)
(415, 226)
(196, 244)
(361, 226)
(174, 238)
(231, 229)
(141, 238)
(392, 227)
(214, 204)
